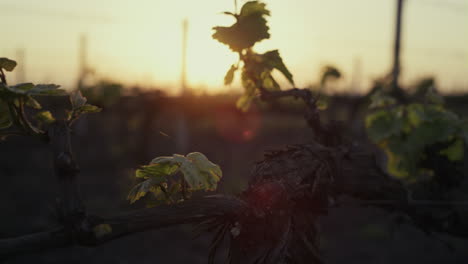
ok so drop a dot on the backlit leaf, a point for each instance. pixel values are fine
(273, 60)
(47, 90)
(211, 172)
(88, 109)
(77, 99)
(230, 75)
(102, 230)
(454, 152)
(160, 169)
(244, 102)
(45, 117)
(31, 102)
(144, 187)
(7, 64)
(21, 88)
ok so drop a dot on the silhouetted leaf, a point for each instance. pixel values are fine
(230, 75)
(7, 64)
(329, 73)
(251, 27)
(273, 60)
(254, 8)
(269, 82)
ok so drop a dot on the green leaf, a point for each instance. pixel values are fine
(455, 152)
(269, 82)
(383, 124)
(244, 102)
(210, 172)
(47, 90)
(380, 99)
(77, 99)
(157, 169)
(31, 102)
(198, 172)
(102, 230)
(7, 64)
(21, 88)
(273, 60)
(45, 117)
(88, 109)
(230, 75)
(433, 97)
(140, 190)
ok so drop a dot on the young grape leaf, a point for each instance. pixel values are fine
(47, 90)
(157, 169)
(7, 64)
(455, 152)
(211, 172)
(254, 8)
(329, 73)
(380, 99)
(198, 172)
(250, 27)
(79, 105)
(77, 99)
(273, 60)
(31, 102)
(230, 75)
(88, 109)
(21, 88)
(102, 230)
(244, 102)
(383, 124)
(45, 117)
(144, 187)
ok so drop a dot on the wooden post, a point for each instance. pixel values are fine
(397, 51)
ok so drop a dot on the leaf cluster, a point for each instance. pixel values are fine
(15, 99)
(407, 132)
(160, 178)
(256, 72)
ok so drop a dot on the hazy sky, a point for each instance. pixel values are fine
(139, 41)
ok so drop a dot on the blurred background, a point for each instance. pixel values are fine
(158, 75)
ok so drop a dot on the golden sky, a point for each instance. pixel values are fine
(139, 41)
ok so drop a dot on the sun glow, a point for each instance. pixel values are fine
(141, 42)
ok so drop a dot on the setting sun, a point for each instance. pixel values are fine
(141, 43)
